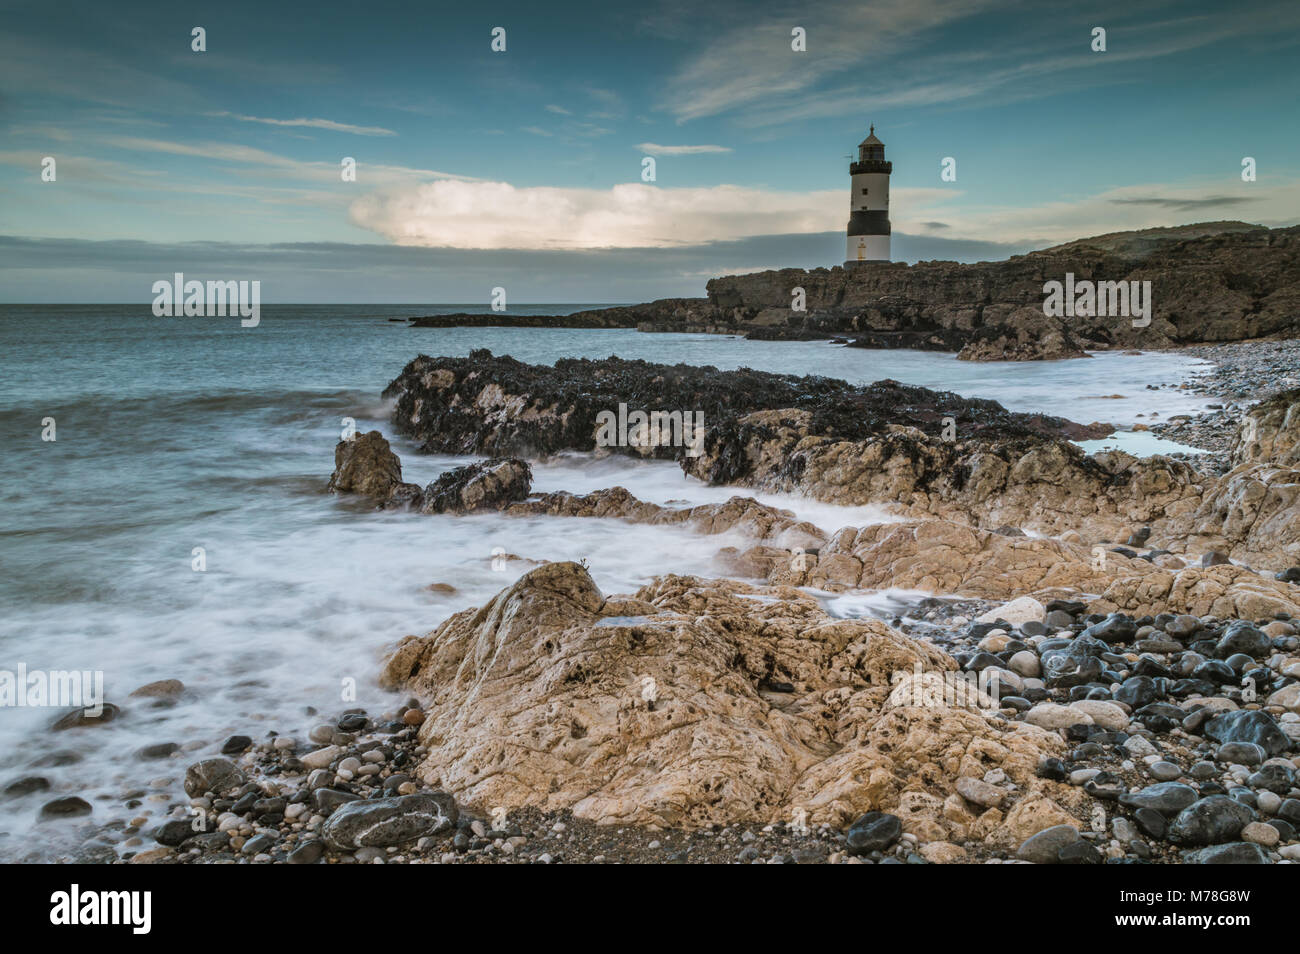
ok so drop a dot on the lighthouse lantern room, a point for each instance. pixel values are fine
(868, 239)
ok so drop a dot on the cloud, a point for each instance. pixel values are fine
(655, 149)
(1190, 204)
(371, 174)
(312, 123)
(902, 53)
(1140, 206)
(497, 215)
(753, 65)
(552, 108)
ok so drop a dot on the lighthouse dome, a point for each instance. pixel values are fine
(871, 148)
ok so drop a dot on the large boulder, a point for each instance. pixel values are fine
(692, 702)
(365, 464)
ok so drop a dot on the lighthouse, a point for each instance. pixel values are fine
(869, 204)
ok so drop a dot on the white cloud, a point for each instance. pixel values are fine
(313, 124)
(552, 108)
(891, 53)
(497, 215)
(753, 65)
(371, 174)
(655, 149)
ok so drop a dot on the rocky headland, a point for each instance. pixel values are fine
(1210, 283)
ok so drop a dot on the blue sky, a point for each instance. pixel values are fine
(523, 168)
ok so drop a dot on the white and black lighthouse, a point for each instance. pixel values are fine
(869, 204)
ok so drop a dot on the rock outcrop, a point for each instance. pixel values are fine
(1222, 591)
(365, 464)
(941, 557)
(1049, 486)
(1253, 511)
(483, 485)
(486, 404)
(929, 454)
(695, 702)
(1210, 282)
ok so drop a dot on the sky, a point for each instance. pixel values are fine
(523, 167)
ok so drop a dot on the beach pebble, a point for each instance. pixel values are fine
(321, 758)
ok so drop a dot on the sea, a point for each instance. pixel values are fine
(177, 526)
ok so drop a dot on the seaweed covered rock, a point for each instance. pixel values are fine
(487, 404)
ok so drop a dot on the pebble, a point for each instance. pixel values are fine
(1045, 847)
(1261, 834)
(1164, 771)
(321, 758)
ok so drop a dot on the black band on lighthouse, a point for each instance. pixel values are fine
(869, 223)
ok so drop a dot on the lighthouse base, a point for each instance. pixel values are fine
(863, 249)
(867, 261)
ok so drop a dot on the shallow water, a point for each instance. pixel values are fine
(174, 434)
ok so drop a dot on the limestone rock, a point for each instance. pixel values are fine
(551, 696)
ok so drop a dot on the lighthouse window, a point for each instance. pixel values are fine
(864, 191)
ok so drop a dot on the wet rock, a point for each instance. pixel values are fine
(1276, 778)
(1233, 853)
(389, 821)
(81, 718)
(28, 785)
(326, 800)
(1253, 725)
(1078, 853)
(162, 689)
(236, 744)
(483, 485)
(1167, 798)
(174, 832)
(1151, 823)
(69, 807)
(1241, 637)
(218, 776)
(160, 750)
(1137, 691)
(1210, 821)
(366, 465)
(1045, 847)
(308, 853)
(874, 831)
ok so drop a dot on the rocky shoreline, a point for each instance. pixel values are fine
(1109, 671)
(1212, 282)
(1243, 374)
